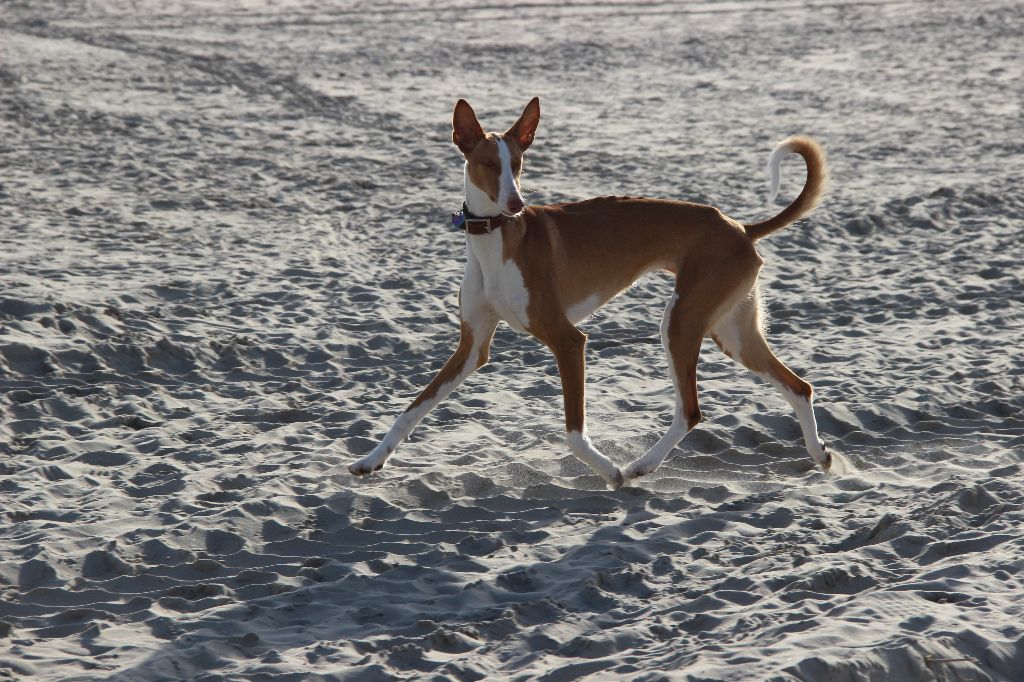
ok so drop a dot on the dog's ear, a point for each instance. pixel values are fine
(524, 129)
(466, 130)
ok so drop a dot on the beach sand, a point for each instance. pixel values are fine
(226, 265)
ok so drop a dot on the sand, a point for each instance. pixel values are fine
(226, 265)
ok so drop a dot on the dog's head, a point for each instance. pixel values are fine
(494, 161)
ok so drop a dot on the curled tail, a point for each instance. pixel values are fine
(817, 175)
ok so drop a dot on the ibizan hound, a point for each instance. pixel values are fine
(542, 269)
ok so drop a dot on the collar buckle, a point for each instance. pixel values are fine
(474, 224)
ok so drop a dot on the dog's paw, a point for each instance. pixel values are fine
(618, 481)
(826, 465)
(372, 461)
(638, 468)
(361, 468)
(366, 465)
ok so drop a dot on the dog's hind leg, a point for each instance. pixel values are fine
(478, 324)
(701, 292)
(739, 334)
(681, 338)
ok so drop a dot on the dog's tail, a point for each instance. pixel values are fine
(814, 188)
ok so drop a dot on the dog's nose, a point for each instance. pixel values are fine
(514, 205)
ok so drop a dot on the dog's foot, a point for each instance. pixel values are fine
(361, 467)
(826, 466)
(618, 481)
(368, 464)
(638, 468)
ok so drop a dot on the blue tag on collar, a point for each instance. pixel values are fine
(458, 220)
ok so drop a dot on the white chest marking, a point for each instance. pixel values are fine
(504, 286)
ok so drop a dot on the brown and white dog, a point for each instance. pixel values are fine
(543, 269)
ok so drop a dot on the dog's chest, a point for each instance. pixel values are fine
(503, 282)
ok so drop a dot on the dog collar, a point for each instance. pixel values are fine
(474, 224)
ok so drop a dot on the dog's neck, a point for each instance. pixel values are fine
(477, 201)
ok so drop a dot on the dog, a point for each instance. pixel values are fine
(543, 269)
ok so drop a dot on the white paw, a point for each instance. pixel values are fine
(639, 468)
(616, 481)
(368, 464)
(824, 459)
(826, 465)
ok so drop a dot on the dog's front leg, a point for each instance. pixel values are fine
(478, 325)
(568, 346)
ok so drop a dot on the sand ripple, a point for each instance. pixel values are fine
(225, 266)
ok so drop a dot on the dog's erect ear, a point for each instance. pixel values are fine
(466, 130)
(525, 128)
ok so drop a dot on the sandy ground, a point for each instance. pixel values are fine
(226, 265)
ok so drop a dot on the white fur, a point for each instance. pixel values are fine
(581, 446)
(581, 310)
(508, 188)
(805, 415)
(729, 332)
(477, 200)
(503, 284)
(653, 458)
(481, 320)
(408, 420)
(508, 294)
(774, 169)
(727, 328)
(666, 322)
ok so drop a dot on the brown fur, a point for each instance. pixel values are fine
(485, 164)
(757, 356)
(570, 252)
(454, 365)
(563, 252)
(810, 195)
(588, 252)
